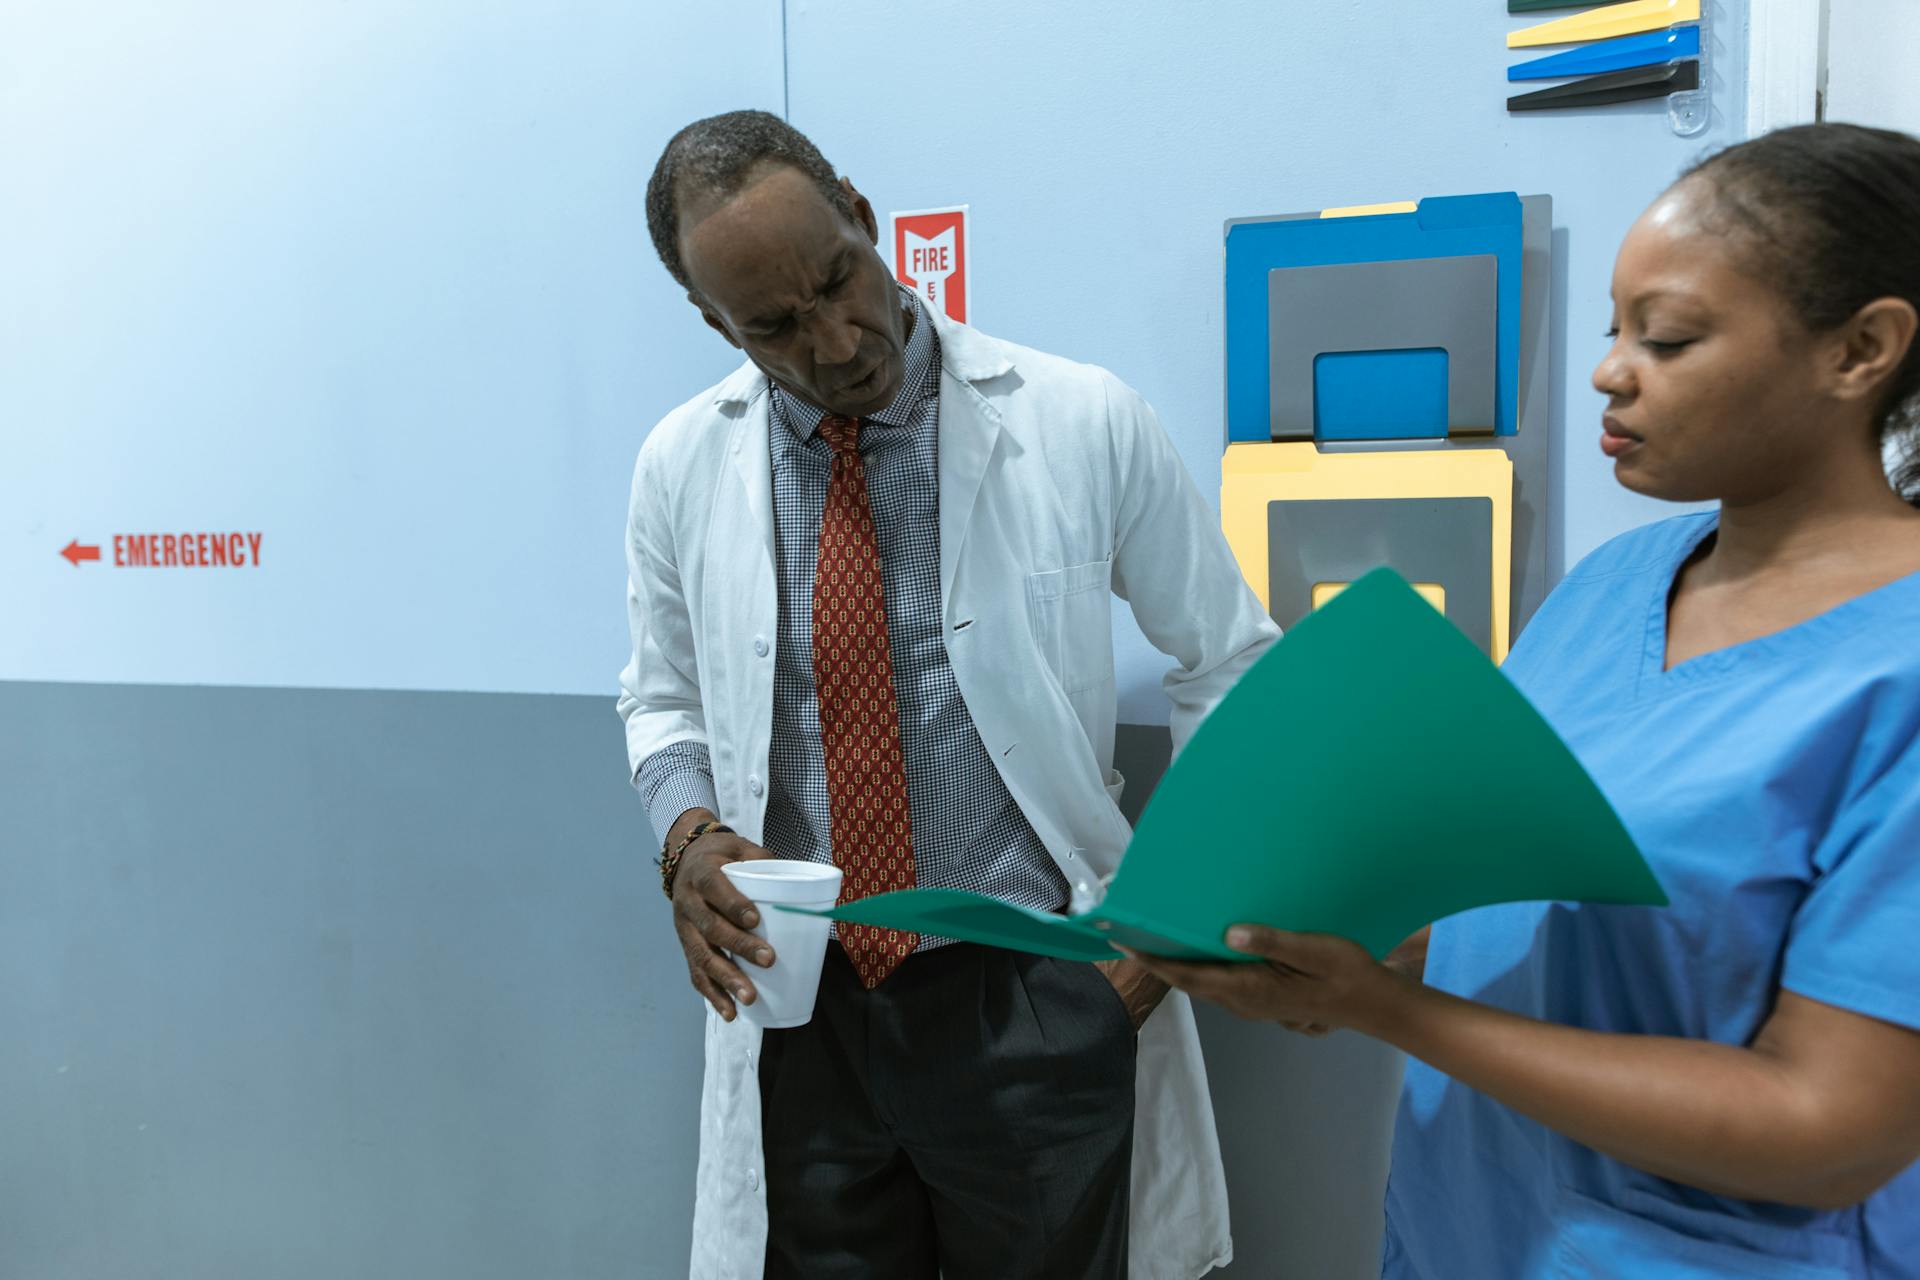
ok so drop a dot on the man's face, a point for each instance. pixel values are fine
(792, 282)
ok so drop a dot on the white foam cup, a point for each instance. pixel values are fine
(786, 991)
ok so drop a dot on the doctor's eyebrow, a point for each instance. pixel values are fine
(837, 271)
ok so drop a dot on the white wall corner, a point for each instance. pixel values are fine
(1785, 39)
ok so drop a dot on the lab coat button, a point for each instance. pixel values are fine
(753, 1179)
(754, 785)
(759, 646)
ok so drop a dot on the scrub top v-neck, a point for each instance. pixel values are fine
(1774, 787)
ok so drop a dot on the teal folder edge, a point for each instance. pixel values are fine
(1439, 227)
(976, 918)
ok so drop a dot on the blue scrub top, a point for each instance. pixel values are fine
(1775, 789)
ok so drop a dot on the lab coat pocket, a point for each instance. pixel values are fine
(1071, 613)
(1655, 1237)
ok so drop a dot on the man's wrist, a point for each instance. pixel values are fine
(686, 830)
(687, 821)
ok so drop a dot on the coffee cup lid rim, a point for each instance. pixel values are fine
(784, 879)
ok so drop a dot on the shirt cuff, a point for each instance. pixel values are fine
(674, 779)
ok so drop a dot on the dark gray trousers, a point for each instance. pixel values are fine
(971, 1118)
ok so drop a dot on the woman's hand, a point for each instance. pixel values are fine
(1820, 1109)
(1307, 982)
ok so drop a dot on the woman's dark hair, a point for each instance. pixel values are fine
(1831, 213)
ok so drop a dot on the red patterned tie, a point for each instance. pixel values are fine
(859, 721)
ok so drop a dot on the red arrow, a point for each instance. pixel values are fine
(75, 553)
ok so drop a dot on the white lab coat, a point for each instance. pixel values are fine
(1058, 489)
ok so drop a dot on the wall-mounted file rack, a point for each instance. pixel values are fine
(1387, 403)
(1623, 52)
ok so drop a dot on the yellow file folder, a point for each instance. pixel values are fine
(1254, 475)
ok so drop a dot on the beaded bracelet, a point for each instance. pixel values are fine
(669, 859)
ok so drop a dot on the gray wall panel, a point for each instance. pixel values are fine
(297, 985)
(319, 984)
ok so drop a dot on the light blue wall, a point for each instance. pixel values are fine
(373, 279)
(1102, 143)
(369, 276)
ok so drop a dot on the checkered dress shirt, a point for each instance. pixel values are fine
(967, 831)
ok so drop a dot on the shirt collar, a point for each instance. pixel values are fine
(923, 361)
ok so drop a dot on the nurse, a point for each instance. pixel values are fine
(1729, 1086)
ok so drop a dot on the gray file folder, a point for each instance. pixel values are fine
(1409, 304)
(1445, 541)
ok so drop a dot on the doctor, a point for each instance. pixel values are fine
(870, 576)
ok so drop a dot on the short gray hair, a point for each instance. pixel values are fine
(714, 158)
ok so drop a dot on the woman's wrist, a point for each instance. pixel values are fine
(1388, 1005)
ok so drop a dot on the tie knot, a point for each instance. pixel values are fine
(841, 434)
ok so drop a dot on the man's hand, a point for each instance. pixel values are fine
(712, 917)
(1139, 990)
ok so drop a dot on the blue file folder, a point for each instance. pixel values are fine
(1649, 50)
(1348, 403)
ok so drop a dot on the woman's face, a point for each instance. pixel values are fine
(1711, 382)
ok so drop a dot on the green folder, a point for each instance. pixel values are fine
(1371, 773)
